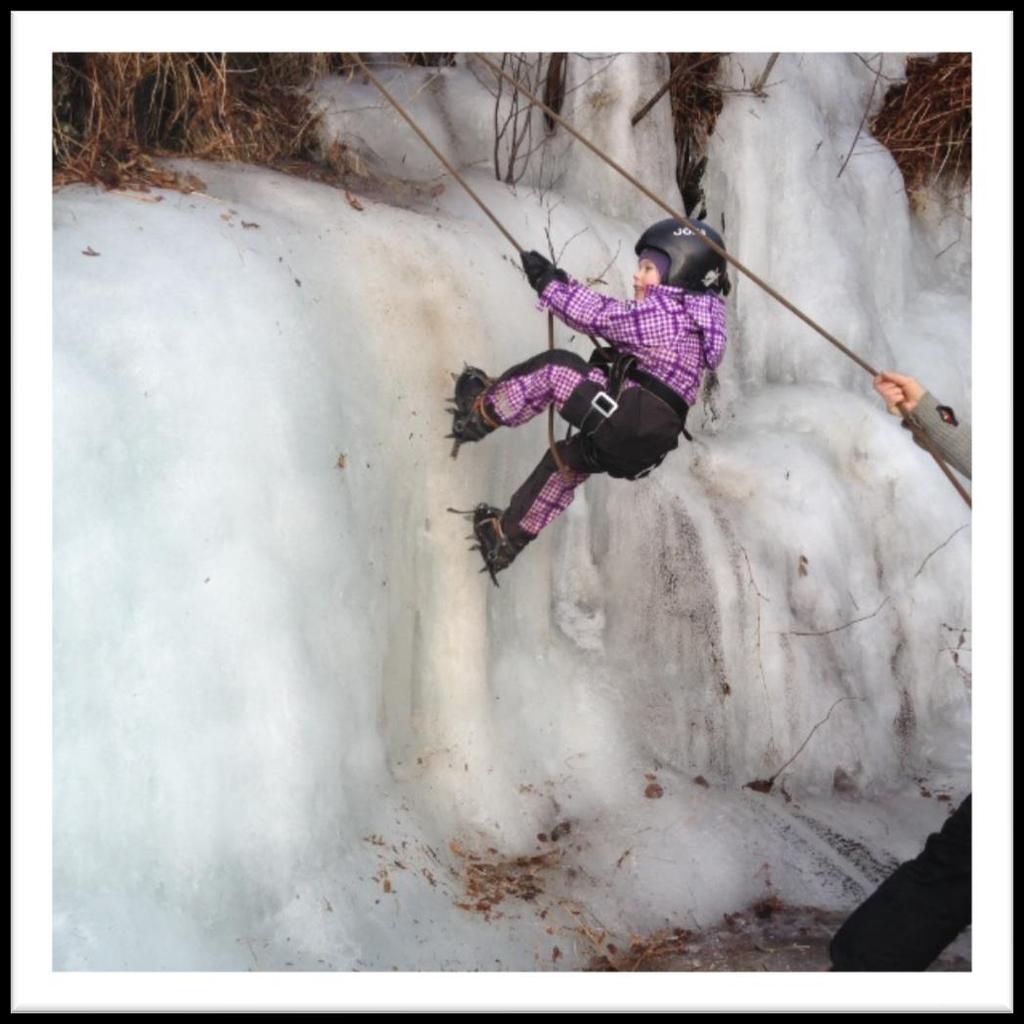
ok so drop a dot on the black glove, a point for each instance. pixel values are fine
(540, 271)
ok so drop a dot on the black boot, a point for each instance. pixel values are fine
(493, 542)
(498, 549)
(471, 420)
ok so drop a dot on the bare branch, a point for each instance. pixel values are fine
(765, 785)
(648, 106)
(846, 625)
(867, 64)
(939, 548)
(599, 279)
(758, 87)
(864, 117)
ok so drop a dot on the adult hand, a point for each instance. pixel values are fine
(540, 271)
(896, 389)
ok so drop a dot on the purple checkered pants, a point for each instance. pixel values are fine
(522, 392)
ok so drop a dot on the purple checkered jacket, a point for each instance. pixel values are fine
(675, 334)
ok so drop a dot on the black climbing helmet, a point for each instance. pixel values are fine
(692, 265)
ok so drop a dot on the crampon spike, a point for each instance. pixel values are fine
(470, 421)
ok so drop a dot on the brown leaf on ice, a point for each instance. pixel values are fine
(352, 201)
(766, 907)
(89, 251)
(701, 781)
(654, 791)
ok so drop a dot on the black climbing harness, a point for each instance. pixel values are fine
(621, 367)
(605, 403)
(675, 214)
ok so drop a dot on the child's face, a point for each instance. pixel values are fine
(646, 274)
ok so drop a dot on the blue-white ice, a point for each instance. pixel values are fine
(281, 689)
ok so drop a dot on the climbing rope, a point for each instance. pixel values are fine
(566, 475)
(676, 215)
(682, 219)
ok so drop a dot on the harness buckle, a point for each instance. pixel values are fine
(604, 404)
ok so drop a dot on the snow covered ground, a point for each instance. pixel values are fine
(293, 728)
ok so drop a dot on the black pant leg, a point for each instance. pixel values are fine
(917, 911)
(571, 454)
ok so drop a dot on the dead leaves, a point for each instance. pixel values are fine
(490, 880)
(248, 225)
(767, 907)
(642, 951)
(89, 251)
(561, 829)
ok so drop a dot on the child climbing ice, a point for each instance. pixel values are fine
(629, 404)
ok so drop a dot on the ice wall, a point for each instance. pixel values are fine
(282, 691)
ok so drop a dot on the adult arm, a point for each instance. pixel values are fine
(950, 434)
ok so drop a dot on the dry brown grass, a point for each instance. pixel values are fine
(926, 121)
(113, 112)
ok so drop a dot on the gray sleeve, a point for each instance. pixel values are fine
(950, 434)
